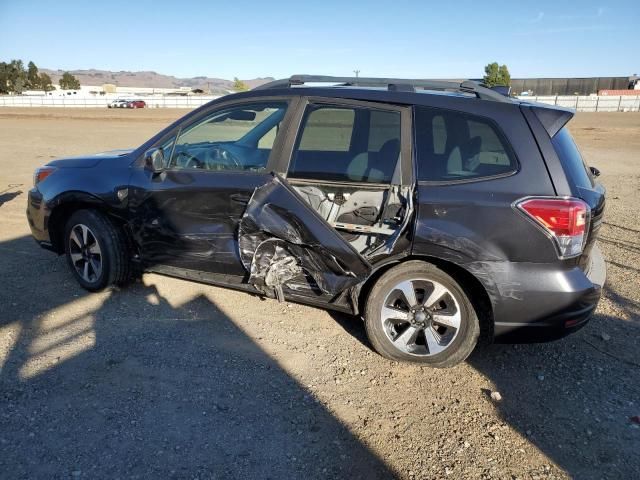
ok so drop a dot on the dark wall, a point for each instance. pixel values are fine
(567, 86)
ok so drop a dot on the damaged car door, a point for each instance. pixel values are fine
(345, 203)
(284, 242)
(188, 196)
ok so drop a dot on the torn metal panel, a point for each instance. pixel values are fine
(272, 266)
(402, 200)
(279, 224)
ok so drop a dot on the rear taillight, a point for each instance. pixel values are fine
(42, 173)
(565, 220)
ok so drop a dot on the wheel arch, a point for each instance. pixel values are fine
(66, 205)
(478, 295)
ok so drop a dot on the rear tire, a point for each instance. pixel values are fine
(418, 313)
(96, 250)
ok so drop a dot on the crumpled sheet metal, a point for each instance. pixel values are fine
(273, 265)
(276, 212)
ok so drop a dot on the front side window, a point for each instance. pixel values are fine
(236, 138)
(455, 146)
(347, 144)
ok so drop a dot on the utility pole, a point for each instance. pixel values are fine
(357, 72)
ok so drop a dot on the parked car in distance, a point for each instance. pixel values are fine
(136, 104)
(434, 210)
(118, 103)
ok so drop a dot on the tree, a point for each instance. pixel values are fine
(45, 82)
(239, 85)
(496, 75)
(19, 85)
(69, 82)
(4, 78)
(33, 77)
(16, 76)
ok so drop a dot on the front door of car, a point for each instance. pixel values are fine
(184, 213)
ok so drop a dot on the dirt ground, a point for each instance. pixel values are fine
(173, 379)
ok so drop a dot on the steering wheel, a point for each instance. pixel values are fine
(223, 159)
(186, 160)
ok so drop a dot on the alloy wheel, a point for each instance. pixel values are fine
(85, 253)
(421, 317)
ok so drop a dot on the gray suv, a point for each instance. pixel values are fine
(433, 210)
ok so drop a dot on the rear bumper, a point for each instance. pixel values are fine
(561, 302)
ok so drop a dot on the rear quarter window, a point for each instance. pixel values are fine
(571, 159)
(455, 146)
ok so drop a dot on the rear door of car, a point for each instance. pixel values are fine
(279, 223)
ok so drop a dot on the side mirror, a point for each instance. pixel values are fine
(594, 171)
(154, 160)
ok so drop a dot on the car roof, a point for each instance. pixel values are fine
(464, 99)
(380, 95)
(389, 90)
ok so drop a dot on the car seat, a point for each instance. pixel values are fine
(463, 159)
(375, 167)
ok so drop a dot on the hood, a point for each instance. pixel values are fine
(87, 161)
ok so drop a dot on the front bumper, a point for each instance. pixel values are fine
(561, 302)
(38, 218)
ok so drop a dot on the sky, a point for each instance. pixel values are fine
(393, 38)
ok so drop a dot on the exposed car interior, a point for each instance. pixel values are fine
(345, 162)
(346, 166)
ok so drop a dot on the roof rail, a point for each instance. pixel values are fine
(393, 84)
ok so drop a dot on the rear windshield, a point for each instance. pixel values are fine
(571, 159)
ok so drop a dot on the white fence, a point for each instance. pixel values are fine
(592, 103)
(192, 101)
(602, 103)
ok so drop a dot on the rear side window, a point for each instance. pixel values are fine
(571, 159)
(454, 146)
(347, 144)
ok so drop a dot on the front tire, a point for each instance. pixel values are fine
(96, 250)
(416, 312)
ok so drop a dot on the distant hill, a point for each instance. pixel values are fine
(150, 79)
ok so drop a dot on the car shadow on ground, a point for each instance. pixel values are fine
(575, 398)
(566, 397)
(135, 387)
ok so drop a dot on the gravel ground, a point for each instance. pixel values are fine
(169, 378)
